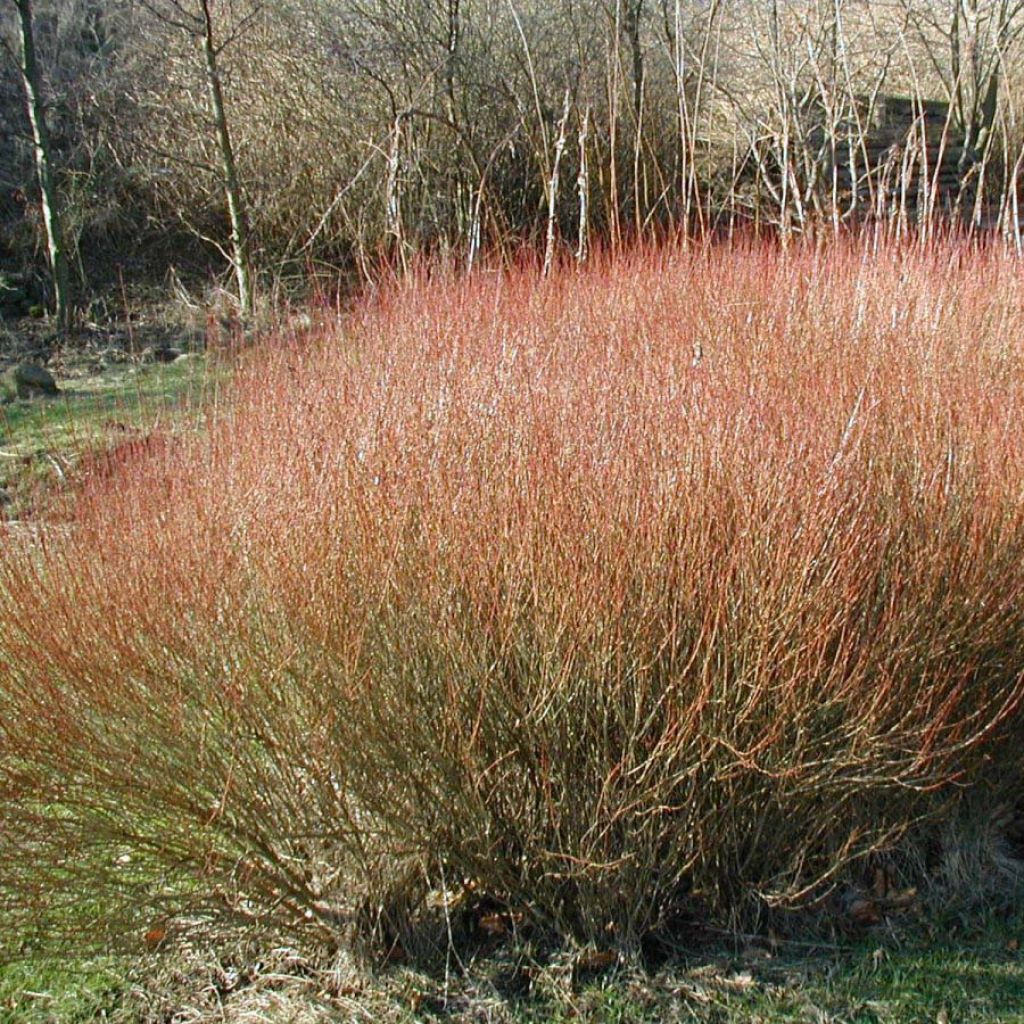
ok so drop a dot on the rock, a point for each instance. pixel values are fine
(159, 354)
(31, 380)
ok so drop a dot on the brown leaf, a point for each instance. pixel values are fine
(904, 898)
(865, 912)
(154, 937)
(597, 960)
(494, 924)
(737, 982)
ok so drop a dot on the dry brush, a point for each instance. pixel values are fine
(666, 586)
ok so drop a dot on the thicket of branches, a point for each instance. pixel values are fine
(358, 126)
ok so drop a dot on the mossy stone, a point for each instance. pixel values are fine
(27, 380)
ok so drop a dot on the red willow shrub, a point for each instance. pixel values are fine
(676, 582)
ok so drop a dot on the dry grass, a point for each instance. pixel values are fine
(661, 589)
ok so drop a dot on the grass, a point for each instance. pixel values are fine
(133, 396)
(903, 976)
(41, 991)
(41, 440)
(885, 984)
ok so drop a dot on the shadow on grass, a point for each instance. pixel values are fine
(881, 978)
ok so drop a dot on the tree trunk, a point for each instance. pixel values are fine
(232, 189)
(41, 146)
(631, 20)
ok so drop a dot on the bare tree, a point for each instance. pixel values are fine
(32, 81)
(196, 18)
(329, 131)
(966, 44)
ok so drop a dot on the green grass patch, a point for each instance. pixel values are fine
(132, 397)
(41, 439)
(893, 978)
(38, 991)
(878, 983)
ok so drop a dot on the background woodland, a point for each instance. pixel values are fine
(352, 129)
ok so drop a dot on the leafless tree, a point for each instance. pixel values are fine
(35, 103)
(967, 45)
(197, 19)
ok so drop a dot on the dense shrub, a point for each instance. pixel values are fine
(668, 585)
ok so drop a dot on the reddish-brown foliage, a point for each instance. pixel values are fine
(675, 581)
